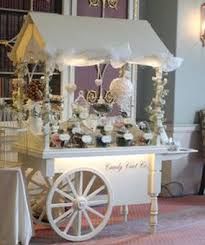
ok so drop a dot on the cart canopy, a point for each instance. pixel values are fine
(83, 41)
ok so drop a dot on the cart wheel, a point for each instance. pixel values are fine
(38, 188)
(87, 204)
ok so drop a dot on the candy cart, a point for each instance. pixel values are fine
(83, 171)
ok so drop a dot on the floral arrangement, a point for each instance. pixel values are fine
(155, 109)
(35, 90)
(144, 127)
(122, 125)
(74, 135)
(18, 93)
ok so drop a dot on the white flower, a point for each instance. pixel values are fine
(64, 137)
(98, 82)
(108, 127)
(148, 136)
(87, 139)
(142, 125)
(128, 136)
(170, 63)
(107, 139)
(76, 130)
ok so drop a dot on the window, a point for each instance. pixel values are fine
(11, 19)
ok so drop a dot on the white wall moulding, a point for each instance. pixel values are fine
(187, 171)
(182, 128)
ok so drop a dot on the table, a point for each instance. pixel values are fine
(16, 223)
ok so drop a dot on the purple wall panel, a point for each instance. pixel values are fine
(83, 9)
(85, 76)
(121, 12)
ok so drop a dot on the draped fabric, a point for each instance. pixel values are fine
(16, 224)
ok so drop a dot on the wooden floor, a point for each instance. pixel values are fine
(181, 221)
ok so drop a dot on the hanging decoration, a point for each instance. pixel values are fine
(121, 89)
(71, 87)
(109, 3)
(100, 96)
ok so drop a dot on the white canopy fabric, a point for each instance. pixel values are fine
(83, 41)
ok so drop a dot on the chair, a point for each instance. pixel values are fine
(202, 127)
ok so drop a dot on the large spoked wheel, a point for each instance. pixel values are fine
(87, 204)
(38, 188)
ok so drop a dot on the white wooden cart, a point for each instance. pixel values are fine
(84, 184)
(92, 181)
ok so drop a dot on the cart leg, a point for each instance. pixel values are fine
(154, 188)
(124, 210)
(153, 213)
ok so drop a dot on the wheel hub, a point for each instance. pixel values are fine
(80, 203)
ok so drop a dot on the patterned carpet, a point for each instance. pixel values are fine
(181, 221)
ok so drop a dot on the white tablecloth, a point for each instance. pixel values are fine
(15, 218)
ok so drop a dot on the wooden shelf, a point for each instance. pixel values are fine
(6, 72)
(14, 10)
(36, 73)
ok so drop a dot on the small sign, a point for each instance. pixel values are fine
(119, 167)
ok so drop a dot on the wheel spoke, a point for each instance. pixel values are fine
(92, 210)
(35, 189)
(63, 185)
(63, 215)
(65, 194)
(42, 214)
(88, 220)
(33, 204)
(80, 191)
(61, 205)
(79, 222)
(72, 186)
(38, 202)
(89, 185)
(29, 175)
(37, 194)
(38, 184)
(93, 194)
(48, 182)
(97, 202)
(70, 222)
